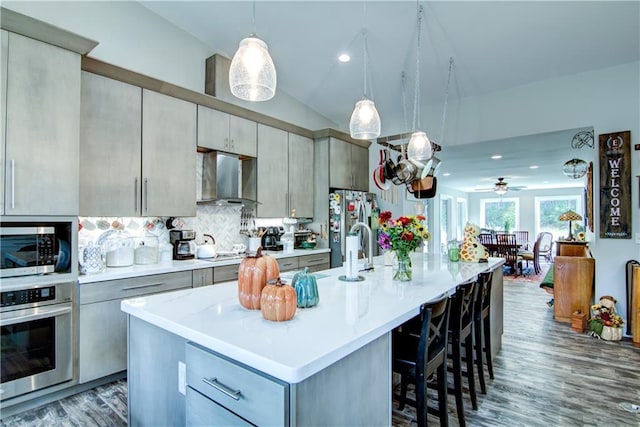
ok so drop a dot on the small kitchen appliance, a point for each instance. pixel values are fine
(271, 239)
(184, 245)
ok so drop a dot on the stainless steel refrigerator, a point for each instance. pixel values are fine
(346, 207)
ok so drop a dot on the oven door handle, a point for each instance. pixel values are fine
(38, 313)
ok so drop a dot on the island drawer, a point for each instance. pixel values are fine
(226, 273)
(201, 411)
(256, 397)
(288, 264)
(134, 286)
(315, 262)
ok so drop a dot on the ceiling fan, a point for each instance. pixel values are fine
(501, 187)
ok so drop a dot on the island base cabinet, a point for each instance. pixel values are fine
(203, 412)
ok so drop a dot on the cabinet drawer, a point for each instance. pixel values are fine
(288, 264)
(253, 396)
(225, 273)
(201, 411)
(314, 260)
(126, 288)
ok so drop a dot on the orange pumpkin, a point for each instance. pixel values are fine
(253, 274)
(278, 301)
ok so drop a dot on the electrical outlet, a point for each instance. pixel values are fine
(182, 377)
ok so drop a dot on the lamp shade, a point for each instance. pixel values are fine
(365, 120)
(500, 187)
(252, 75)
(419, 149)
(570, 216)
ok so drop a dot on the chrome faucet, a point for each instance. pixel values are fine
(369, 264)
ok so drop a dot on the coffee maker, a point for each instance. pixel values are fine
(271, 239)
(184, 245)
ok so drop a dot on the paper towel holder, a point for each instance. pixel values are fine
(344, 278)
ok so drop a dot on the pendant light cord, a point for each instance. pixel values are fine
(404, 99)
(364, 46)
(255, 29)
(446, 100)
(416, 95)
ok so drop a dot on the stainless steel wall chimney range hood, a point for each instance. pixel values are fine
(228, 180)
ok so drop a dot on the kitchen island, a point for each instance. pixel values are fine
(196, 356)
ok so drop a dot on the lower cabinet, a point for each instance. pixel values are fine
(317, 262)
(226, 273)
(202, 277)
(102, 345)
(288, 264)
(223, 392)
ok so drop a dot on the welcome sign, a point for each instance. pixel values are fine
(615, 185)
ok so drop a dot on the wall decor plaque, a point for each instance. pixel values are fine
(615, 185)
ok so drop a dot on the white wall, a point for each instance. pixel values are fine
(133, 37)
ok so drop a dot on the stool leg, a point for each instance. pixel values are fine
(487, 344)
(403, 391)
(468, 352)
(457, 382)
(443, 395)
(421, 400)
(477, 332)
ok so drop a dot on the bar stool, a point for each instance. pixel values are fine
(482, 327)
(461, 335)
(420, 351)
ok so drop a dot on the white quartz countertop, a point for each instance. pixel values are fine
(174, 266)
(349, 316)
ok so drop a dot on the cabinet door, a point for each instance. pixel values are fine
(42, 129)
(301, 175)
(202, 411)
(4, 51)
(213, 129)
(202, 277)
(273, 193)
(168, 155)
(110, 147)
(360, 167)
(103, 340)
(243, 135)
(339, 164)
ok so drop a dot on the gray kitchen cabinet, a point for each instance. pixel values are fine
(273, 172)
(218, 130)
(202, 277)
(110, 147)
(349, 165)
(102, 345)
(137, 151)
(168, 156)
(288, 264)
(225, 273)
(228, 391)
(301, 175)
(4, 52)
(41, 166)
(315, 262)
(285, 174)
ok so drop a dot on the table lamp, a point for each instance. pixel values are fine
(570, 216)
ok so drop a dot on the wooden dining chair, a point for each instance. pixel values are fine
(508, 249)
(545, 245)
(487, 240)
(522, 237)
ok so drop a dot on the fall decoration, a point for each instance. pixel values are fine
(306, 288)
(278, 301)
(605, 323)
(253, 274)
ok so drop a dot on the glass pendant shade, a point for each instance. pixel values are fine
(252, 75)
(575, 168)
(500, 189)
(419, 149)
(365, 120)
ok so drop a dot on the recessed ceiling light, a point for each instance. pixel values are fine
(446, 174)
(533, 167)
(344, 57)
(496, 156)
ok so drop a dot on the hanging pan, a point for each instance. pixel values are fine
(424, 188)
(405, 170)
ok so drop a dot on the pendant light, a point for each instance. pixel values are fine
(419, 149)
(252, 75)
(365, 120)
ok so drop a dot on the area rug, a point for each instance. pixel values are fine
(529, 275)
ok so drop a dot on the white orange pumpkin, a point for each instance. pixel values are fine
(253, 274)
(278, 301)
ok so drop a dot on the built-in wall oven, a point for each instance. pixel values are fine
(39, 273)
(37, 337)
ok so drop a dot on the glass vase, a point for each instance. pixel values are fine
(403, 271)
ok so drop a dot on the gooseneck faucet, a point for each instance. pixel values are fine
(354, 227)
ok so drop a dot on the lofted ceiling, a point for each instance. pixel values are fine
(495, 45)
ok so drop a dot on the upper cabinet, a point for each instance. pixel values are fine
(222, 131)
(349, 165)
(138, 151)
(285, 174)
(40, 132)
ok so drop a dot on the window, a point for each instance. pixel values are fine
(548, 209)
(499, 214)
(445, 219)
(462, 217)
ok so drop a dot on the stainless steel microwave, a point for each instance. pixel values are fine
(29, 250)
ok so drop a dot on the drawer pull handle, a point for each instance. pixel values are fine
(142, 286)
(213, 382)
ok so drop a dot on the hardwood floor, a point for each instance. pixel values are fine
(545, 375)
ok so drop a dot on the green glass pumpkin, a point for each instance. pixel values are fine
(306, 288)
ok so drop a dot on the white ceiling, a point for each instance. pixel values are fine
(494, 45)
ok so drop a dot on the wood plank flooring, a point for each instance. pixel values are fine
(545, 375)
